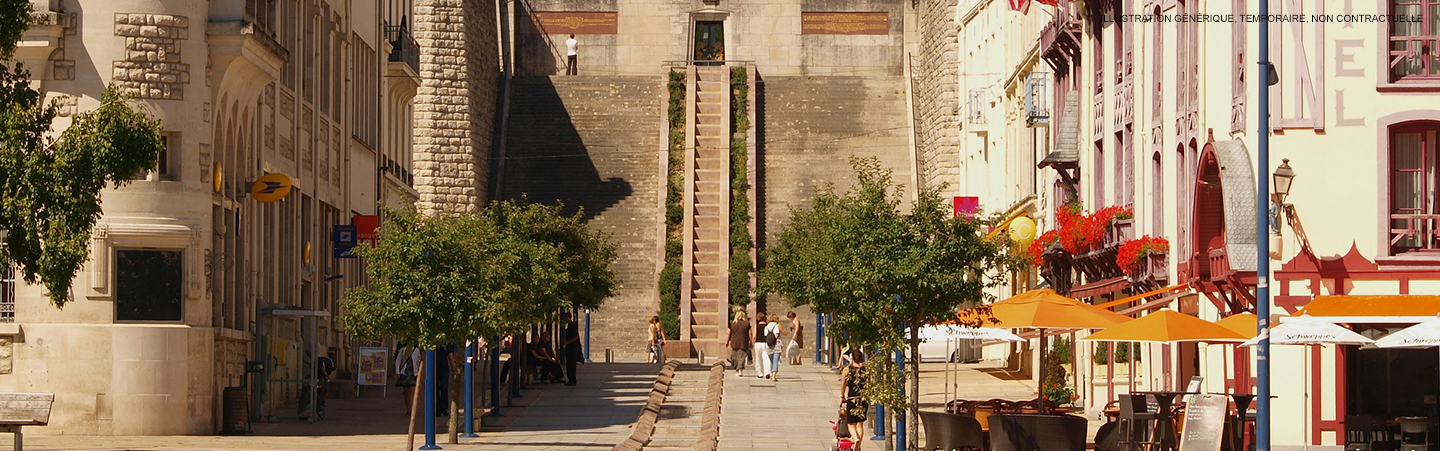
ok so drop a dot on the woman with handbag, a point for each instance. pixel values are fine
(773, 333)
(407, 364)
(762, 347)
(655, 340)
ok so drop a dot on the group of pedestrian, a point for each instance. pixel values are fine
(408, 362)
(764, 343)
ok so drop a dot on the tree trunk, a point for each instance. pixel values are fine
(912, 415)
(415, 403)
(456, 384)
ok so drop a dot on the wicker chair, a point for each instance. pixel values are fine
(948, 432)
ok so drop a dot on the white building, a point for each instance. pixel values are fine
(186, 266)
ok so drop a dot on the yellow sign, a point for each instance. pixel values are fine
(271, 187)
(305, 255)
(218, 176)
(1022, 231)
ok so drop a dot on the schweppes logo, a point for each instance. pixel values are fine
(271, 187)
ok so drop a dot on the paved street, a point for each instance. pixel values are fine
(793, 413)
(594, 415)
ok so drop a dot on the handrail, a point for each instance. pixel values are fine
(529, 11)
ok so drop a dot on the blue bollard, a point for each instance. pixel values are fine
(587, 336)
(429, 401)
(495, 379)
(469, 390)
(819, 335)
(900, 414)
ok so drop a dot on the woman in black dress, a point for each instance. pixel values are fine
(852, 384)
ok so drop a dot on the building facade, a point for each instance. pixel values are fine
(191, 275)
(1158, 114)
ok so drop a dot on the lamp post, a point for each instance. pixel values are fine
(1262, 228)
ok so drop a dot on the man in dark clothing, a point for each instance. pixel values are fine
(571, 341)
(739, 342)
(543, 356)
(443, 355)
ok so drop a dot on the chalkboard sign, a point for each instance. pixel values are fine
(1204, 423)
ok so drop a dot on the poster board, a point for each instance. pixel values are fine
(374, 364)
(1204, 423)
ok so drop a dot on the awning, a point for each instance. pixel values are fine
(1381, 309)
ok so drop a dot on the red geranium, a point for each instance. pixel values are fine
(1132, 251)
(1041, 243)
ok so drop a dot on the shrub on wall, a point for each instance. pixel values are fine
(674, 210)
(740, 244)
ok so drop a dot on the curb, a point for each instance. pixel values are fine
(645, 424)
(710, 417)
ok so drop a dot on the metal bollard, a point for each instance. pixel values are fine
(609, 355)
(700, 356)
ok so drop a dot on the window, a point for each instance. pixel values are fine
(1157, 196)
(1413, 52)
(1099, 185)
(166, 167)
(147, 285)
(1414, 216)
(7, 290)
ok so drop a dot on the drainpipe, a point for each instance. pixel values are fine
(1262, 230)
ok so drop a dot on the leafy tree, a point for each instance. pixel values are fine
(50, 186)
(878, 268)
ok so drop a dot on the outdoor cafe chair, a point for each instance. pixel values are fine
(1136, 423)
(1414, 434)
(1367, 433)
(951, 432)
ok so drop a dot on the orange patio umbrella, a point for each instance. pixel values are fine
(1045, 309)
(1243, 323)
(1168, 326)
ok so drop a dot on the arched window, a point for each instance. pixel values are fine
(1414, 207)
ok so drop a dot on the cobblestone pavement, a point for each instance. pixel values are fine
(595, 414)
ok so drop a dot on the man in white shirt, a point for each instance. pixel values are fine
(571, 49)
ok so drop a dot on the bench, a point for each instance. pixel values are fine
(18, 410)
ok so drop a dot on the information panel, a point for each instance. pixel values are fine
(576, 22)
(845, 23)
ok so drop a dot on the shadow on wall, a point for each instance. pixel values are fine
(548, 160)
(539, 54)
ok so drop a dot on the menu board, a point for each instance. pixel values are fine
(1204, 423)
(374, 363)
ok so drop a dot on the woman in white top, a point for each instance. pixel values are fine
(407, 368)
(762, 347)
(774, 330)
(655, 341)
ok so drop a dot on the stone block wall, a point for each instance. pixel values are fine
(594, 143)
(152, 68)
(809, 129)
(937, 94)
(455, 104)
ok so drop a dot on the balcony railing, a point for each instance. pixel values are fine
(1414, 232)
(1219, 265)
(405, 49)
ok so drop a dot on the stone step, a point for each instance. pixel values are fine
(709, 85)
(706, 317)
(710, 245)
(708, 281)
(712, 109)
(710, 197)
(711, 175)
(709, 209)
(709, 118)
(711, 97)
(709, 294)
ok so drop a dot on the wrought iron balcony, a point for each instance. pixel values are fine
(404, 48)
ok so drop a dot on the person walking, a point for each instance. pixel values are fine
(852, 386)
(655, 340)
(571, 341)
(738, 342)
(572, 50)
(773, 334)
(797, 339)
(762, 347)
(407, 364)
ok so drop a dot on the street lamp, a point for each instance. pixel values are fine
(1283, 176)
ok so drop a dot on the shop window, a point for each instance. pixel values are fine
(1413, 51)
(148, 285)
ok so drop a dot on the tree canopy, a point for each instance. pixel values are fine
(50, 185)
(877, 267)
(445, 279)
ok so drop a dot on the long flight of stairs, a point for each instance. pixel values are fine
(705, 284)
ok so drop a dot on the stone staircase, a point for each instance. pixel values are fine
(704, 287)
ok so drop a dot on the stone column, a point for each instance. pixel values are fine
(455, 104)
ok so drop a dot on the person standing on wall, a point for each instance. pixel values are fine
(572, 49)
(571, 341)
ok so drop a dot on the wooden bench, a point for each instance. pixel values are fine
(18, 410)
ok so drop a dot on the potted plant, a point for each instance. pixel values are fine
(1134, 256)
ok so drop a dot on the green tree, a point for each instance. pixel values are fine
(876, 267)
(50, 186)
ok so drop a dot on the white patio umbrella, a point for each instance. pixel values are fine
(1423, 335)
(1307, 330)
